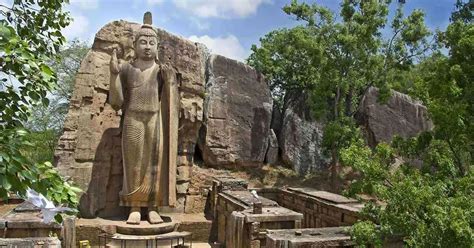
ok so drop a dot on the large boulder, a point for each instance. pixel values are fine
(300, 139)
(237, 115)
(400, 115)
(89, 151)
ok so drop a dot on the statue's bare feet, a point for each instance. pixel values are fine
(134, 217)
(154, 217)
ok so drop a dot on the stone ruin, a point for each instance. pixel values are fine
(226, 120)
(225, 114)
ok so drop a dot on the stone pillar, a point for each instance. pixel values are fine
(69, 232)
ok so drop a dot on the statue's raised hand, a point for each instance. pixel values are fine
(114, 63)
(167, 72)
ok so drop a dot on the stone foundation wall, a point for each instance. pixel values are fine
(319, 208)
(50, 242)
(240, 223)
(335, 237)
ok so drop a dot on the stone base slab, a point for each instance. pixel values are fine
(89, 229)
(145, 228)
(51, 242)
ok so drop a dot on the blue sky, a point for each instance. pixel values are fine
(227, 27)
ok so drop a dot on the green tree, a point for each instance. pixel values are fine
(30, 38)
(70, 57)
(334, 60)
(432, 206)
(46, 122)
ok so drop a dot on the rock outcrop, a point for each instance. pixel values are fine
(272, 155)
(237, 116)
(89, 151)
(226, 110)
(300, 139)
(400, 115)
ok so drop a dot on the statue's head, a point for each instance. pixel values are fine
(146, 40)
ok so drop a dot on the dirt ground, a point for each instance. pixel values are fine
(265, 176)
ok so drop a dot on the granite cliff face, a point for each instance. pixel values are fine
(299, 137)
(400, 115)
(237, 116)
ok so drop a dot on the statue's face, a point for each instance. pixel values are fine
(146, 47)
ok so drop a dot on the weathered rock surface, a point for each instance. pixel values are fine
(238, 111)
(50, 242)
(400, 115)
(277, 120)
(300, 140)
(89, 151)
(272, 153)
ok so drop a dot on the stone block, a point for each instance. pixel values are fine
(195, 204)
(182, 187)
(184, 173)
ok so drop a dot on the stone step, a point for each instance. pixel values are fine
(194, 223)
(197, 224)
(145, 228)
(181, 239)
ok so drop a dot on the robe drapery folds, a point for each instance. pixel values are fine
(149, 136)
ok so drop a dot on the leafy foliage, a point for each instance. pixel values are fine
(427, 208)
(433, 205)
(46, 122)
(52, 116)
(42, 146)
(422, 187)
(30, 38)
(70, 57)
(17, 172)
(334, 60)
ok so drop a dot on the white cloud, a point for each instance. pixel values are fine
(220, 8)
(228, 46)
(85, 4)
(154, 2)
(77, 29)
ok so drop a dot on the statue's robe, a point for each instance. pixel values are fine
(149, 136)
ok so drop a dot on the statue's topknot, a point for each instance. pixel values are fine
(147, 19)
(147, 28)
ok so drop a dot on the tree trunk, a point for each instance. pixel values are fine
(335, 168)
(348, 101)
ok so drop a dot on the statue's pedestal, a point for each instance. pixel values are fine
(179, 224)
(145, 228)
(172, 239)
(148, 235)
